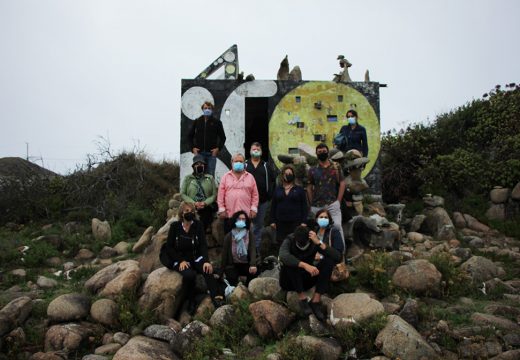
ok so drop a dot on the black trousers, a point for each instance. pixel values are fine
(189, 276)
(206, 216)
(299, 280)
(234, 271)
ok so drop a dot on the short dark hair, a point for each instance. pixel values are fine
(353, 112)
(301, 232)
(256, 143)
(321, 211)
(321, 146)
(235, 216)
(207, 103)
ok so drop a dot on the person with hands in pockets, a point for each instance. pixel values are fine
(186, 251)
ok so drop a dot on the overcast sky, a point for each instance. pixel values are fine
(71, 71)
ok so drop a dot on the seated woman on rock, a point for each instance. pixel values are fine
(186, 251)
(300, 272)
(239, 250)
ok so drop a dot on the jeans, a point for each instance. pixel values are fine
(335, 212)
(258, 222)
(211, 160)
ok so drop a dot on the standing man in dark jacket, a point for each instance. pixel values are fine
(207, 137)
(265, 182)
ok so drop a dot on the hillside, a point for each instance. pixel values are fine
(19, 168)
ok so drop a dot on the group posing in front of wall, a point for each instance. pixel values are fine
(307, 222)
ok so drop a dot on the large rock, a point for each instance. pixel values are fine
(321, 348)
(264, 288)
(52, 355)
(515, 193)
(270, 319)
(499, 195)
(416, 223)
(222, 316)
(459, 220)
(496, 212)
(496, 321)
(162, 292)
(418, 276)
(348, 308)
(480, 269)
(107, 252)
(105, 311)
(144, 240)
(438, 224)
(101, 230)
(144, 348)
(400, 340)
(114, 279)
(182, 342)
(159, 332)
(14, 314)
(45, 282)
(433, 201)
(68, 307)
(149, 260)
(474, 224)
(69, 336)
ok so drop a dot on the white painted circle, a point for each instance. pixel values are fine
(229, 56)
(192, 101)
(220, 60)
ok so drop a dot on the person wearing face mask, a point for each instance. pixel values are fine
(186, 251)
(354, 135)
(207, 137)
(326, 187)
(239, 250)
(300, 271)
(237, 191)
(264, 177)
(289, 204)
(200, 189)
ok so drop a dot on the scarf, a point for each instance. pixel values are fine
(201, 195)
(240, 241)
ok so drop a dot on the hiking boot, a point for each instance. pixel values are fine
(192, 307)
(316, 309)
(305, 308)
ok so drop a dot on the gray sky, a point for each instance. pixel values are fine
(71, 71)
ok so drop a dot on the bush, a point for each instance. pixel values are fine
(362, 335)
(374, 270)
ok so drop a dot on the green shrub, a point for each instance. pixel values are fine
(374, 270)
(454, 281)
(290, 349)
(38, 253)
(361, 335)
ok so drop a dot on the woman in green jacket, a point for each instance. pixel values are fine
(200, 189)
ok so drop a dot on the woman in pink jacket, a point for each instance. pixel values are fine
(237, 191)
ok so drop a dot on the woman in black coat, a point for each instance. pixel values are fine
(186, 251)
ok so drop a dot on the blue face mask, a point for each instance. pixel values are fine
(207, 112)
(240, 224)
(351, 120)
(238, 166)
(322, 222)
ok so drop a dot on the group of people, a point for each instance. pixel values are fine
(308, 249)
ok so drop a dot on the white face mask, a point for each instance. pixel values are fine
(351, 120)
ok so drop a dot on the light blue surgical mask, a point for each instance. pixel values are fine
(323, 222)
(240, 224)
(351, 120)
(238, 166)
(256, 153)
(207, 112)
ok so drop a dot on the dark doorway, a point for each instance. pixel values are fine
(257, 125)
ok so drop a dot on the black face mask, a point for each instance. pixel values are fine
(189, 216)
(323, 156)
(289, 177)
(199, 169)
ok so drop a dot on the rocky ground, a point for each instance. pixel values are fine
(450, 291)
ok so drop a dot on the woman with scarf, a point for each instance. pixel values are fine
(239, 250)
(308, 261)
(186, 251)
(199, 188)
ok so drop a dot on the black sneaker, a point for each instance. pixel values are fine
(192, 307)
(218, 301)
(305, 308)
(316, 309)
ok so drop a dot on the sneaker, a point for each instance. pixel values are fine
(316, 309)
(305, 308)
(192, 307)
(218, 301)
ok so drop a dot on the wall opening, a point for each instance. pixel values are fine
(257, 125)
